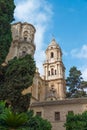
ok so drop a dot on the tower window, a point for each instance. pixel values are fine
(55, 72)
(48, 73)
(52, 54)
(51, 47)
(25, 34)
(52, 71)
(57, 116)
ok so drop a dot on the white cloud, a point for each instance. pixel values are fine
(84, 72)
(80, 53)
(38, 13)
(40, 56)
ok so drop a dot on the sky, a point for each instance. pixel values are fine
(66, 21)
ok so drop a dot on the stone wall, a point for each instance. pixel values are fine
(49, 108)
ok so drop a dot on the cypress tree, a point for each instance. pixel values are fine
(18, 73)
(6, 17)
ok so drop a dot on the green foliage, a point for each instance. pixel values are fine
(84, 84)
(21, 121)
(6, 17)
(2, 107)
(13, 120)
(2, 80)
(20, 72)
(37, 123)
(17, 76)
(43, 124)
(76, 122)
(2, 74)
(20, 103)
(10, 119)
(74, 83)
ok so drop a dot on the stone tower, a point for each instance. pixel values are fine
(54, 72)
(23, 40)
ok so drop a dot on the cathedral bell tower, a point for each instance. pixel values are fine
(54, 72)
(22, 40)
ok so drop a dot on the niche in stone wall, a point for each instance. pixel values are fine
(22, 52)
(25, 35)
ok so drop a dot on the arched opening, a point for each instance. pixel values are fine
(48, 73)
(52, 71)
(52, 54)
(24, 51)
(25, 35)
(55, 72)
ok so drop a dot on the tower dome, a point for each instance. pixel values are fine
(53, 44)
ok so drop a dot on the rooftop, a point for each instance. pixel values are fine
(61, 102)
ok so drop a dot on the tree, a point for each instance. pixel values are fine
(18, 76)
(6, 17)
(76, 121)
(18, 73)
(14, 78)
(75, 83)
(84, 84)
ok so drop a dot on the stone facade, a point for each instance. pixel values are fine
(49, 109)
(48, 92)
(54, 72)
(23, 40)
(52, 85)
